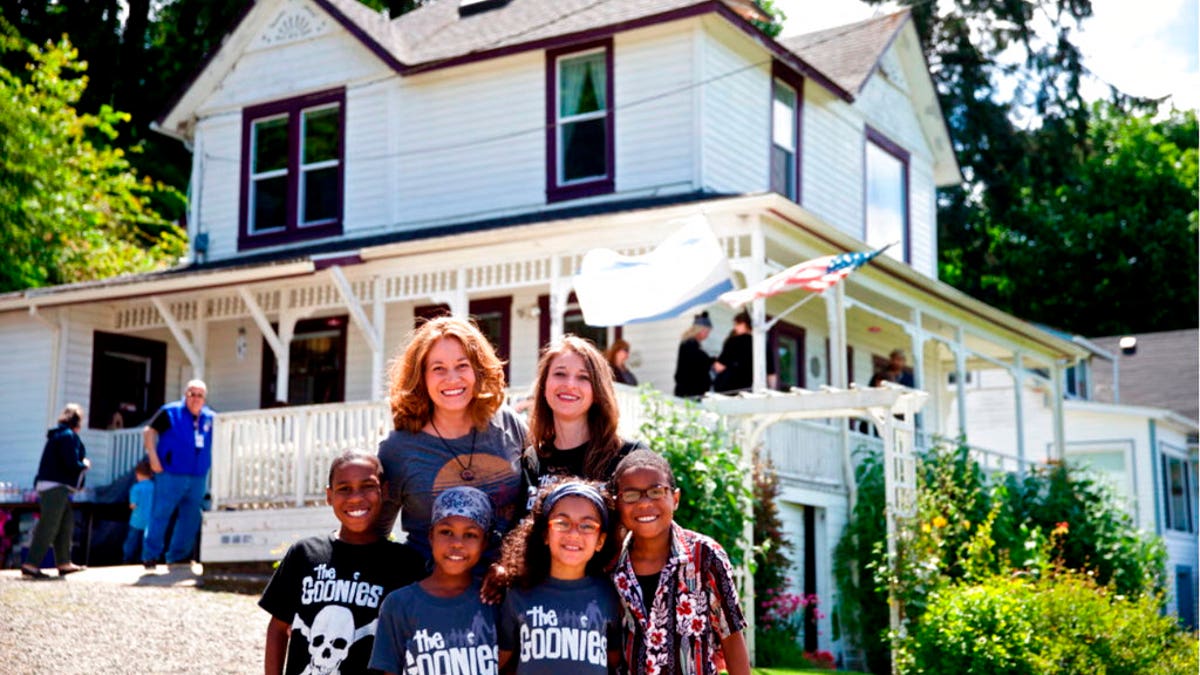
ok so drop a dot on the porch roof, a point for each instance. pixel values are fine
(787, 216)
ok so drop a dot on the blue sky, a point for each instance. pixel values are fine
(1144, 47)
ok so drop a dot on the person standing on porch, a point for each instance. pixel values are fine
(692, 377)
(60, 472)
(617, 356)
(451, 428)
(735, 365)
(178, 440)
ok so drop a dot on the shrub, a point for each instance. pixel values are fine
(708, 468)
(1062, 623)
(970, 526)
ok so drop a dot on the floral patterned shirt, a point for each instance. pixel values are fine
(695, 608)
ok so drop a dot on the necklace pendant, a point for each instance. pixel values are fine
(467, 475)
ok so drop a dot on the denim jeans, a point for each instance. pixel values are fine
(174, 491)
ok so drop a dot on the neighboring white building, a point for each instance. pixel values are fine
(352, 173)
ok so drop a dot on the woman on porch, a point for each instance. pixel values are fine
(447, 391)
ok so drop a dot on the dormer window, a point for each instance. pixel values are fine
(579, 124)
(292, 166)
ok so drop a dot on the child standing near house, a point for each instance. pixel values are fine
(141, 497)
(441, 619)
(681, 609)
(562, 615)
(324, 599)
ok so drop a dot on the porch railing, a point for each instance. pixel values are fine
(281, 456)
(113, 453)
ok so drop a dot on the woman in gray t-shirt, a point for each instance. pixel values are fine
(446, 391)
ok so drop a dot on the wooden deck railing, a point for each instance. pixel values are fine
(281, 456)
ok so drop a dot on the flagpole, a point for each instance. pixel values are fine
(779, 317)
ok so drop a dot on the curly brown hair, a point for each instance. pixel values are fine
(525, 555)
(412, 408)
(604, 445)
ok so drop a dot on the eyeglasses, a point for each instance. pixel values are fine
(585, 528)
(654, 493)
(195, 394)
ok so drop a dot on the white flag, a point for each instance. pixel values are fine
(688, 269)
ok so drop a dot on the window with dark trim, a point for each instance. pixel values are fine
(292, 170)
(580, 161)
(787, 344)
(887, 218)
(787, 95)
(573, 324)
(492, 315)
(1178, 486)
(128, 380)
(316, 364)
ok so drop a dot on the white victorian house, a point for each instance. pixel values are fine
(353, 173)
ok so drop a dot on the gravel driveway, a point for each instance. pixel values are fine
(118, 620)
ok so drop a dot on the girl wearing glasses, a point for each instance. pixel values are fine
(681, 609)
(561, 614)
(573, 424)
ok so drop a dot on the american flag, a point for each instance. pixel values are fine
(812, 275)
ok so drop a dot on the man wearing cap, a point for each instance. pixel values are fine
(692, 378)
(178, 440)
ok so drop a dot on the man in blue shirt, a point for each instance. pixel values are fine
(178, 442)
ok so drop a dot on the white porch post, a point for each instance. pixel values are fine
(194, 355)
(758, 308)
(370, 331)
(1060, 436)
(960, 376)
(1018, 377)
(560, 292)
(283, 359)
(379, 318)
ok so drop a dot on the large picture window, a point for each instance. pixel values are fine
(579, 122)
(786, 92)
(887, 196)
(292, 163)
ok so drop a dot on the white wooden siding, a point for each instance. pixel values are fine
(325, 61)
(219, 138)
(832, 147)
(652, 71)
(736, 125)
(471, 141)
(367, 192)
(24, 391)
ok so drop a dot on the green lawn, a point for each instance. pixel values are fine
(801, 671)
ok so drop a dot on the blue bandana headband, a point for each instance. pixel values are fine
(468, 502)
(577, 490)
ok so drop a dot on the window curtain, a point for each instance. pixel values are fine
(581, 85)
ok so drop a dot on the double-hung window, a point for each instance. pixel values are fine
(292, 166)
(579, 124)
(786, 92)
(1179, 484)
(887, 195)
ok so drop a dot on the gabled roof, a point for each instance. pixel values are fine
(849, 54)
(437, 32)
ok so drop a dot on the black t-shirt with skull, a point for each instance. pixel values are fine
(330, 592)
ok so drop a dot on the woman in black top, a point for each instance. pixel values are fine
(573, 424)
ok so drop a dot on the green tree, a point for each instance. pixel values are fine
(71, 207)
(1043, 226)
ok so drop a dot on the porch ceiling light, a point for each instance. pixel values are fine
(1128, 345)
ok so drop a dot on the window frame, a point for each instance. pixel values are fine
(1187, 474)
(789, 78)
(879, 140)
(338, 323)
(293, 110)
(501, 305)
(556, 191)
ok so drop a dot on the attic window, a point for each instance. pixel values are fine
(469, 7)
